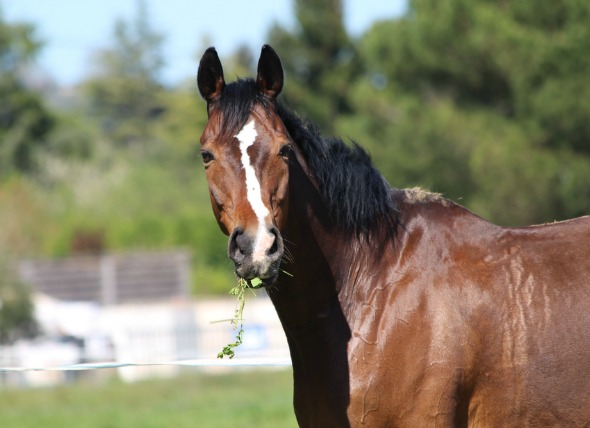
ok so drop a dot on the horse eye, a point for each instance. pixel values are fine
(207, 157)
(285, 150)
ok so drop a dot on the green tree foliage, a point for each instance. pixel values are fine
(319, 61)
(522, 59)
(126, 93)
(25, 123)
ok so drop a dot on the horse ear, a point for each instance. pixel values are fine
(269, 79)
(210, 76)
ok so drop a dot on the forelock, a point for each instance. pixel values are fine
(236, 103)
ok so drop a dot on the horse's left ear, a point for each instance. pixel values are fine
(269, 79)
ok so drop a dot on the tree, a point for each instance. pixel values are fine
(319, 59)
(525, 61)
(125, 94)
(25, 123)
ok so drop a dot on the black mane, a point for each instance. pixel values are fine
(357, 196)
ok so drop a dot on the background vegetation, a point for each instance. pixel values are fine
(485, 101)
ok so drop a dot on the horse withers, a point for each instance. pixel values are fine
(401, 308)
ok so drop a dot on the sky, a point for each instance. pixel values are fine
(75, 29)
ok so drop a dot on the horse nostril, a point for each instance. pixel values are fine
(277, 245)
(245, 249)
(238, 244)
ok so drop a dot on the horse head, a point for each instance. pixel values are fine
(245, 149)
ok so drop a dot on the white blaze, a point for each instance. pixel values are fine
(264, 240)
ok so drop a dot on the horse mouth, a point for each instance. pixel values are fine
(256, 283)
(254, 280)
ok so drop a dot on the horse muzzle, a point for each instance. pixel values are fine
(256, 254)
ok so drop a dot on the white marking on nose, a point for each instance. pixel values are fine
(264, 239)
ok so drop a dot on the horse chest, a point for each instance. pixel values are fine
(406, 368)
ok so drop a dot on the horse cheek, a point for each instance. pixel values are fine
(218, 213)
(281, 204)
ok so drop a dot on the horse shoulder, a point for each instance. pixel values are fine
(412, 329)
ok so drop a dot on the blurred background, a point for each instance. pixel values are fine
(485, 101)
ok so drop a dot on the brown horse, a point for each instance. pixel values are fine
(401, 308)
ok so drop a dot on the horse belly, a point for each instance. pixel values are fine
(544, 383)
(439, 396)
(523, 399)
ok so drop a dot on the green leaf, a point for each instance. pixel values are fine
(256, 282)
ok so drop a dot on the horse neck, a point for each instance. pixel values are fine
(307, 303)
(318, 251)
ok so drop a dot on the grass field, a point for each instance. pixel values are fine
(257, 399)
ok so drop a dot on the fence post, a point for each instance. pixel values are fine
(108, 280)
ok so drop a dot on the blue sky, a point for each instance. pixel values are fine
(75, 29)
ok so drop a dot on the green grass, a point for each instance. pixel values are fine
(239, 399)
